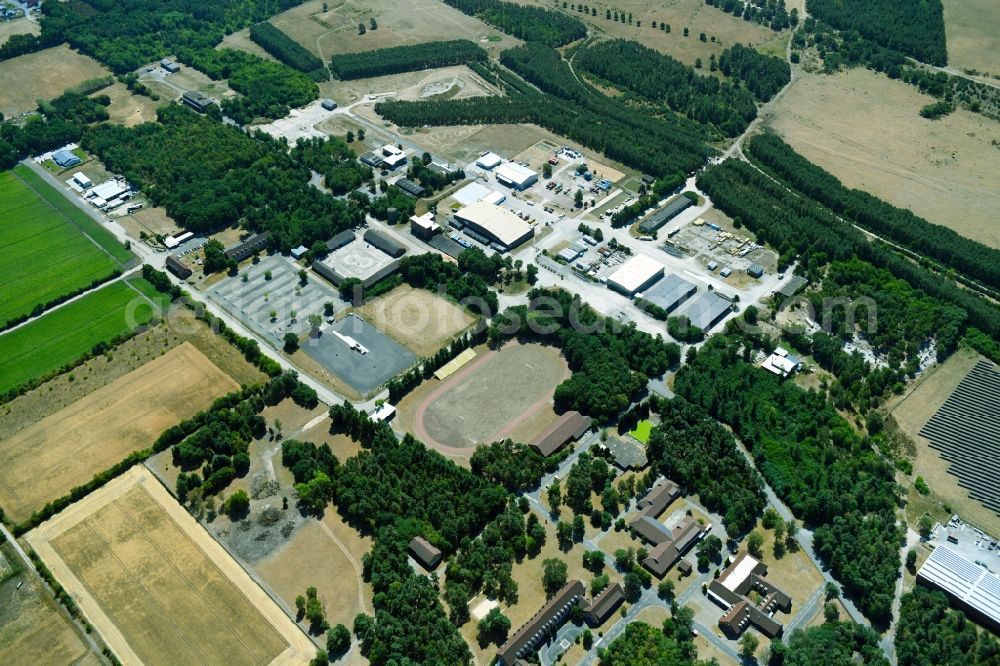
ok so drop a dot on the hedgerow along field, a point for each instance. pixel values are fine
(47, 253)
(64, 335)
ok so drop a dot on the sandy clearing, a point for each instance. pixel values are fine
(416, 318)
(866, 129)
(97, 431)
(96, 548)
(45, 74)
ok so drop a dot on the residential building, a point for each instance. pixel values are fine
(424, 553)
(604, 604)
(543, 625)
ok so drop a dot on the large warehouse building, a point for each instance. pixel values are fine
(665, 214)
(708, 310)
(498, 224)
(670, 292)
(516, 176)
(970, 586)
(636, 274)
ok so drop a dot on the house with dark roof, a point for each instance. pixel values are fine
(569, 427)
(649, 529)
(424, 553)
(410, 188)
(668, 552)
(536, 631)
(659, 497)
(731, 589)
(250, 246)
(384, 243)
(177, 268)
(604, 604)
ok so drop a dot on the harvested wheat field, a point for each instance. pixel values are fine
(157, 587)
(866, 129)
(102, 428)
(416, 318)
(45, 74)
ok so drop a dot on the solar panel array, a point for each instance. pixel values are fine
(966, 430)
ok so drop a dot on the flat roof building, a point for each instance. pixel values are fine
(170, 66)
(627, 454)
(424, 226)
(496, 224)
(410, 188)
(109, 189)
(665, 214)
(82, 180)
(755, 271)
(495, 198)
(793, 286)
(707, 310)
(424, 553)
(372, 159)
(781, 363)
(970, 586)
(197, 100)
(489, 161)
(543, 625)
(670, 292)
(65, 158)
(570, 426)
(636, 274)
(393, 156)
(516, 176)
(299, 252)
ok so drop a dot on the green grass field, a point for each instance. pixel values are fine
(66, 334)
(45, 254)
(642, 430)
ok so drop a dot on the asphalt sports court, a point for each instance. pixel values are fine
(364, 373)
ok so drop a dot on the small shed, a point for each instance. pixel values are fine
(424, 553)
(297, 252)
(755, 271)
(328, 104)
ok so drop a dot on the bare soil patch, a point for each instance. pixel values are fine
(972, 36)
(866, 129)
(134, 559)
(45, 74)
(911, 414)
(48, 458)
(489, 397)
(154, 221)
(458, 82)
(417, 319)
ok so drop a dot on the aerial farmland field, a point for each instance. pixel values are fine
(45, 254)
(157, 587)
(63, 335)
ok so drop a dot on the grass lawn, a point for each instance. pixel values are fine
(62, 336)
(45, 254)
(84, 222)
(642, 430)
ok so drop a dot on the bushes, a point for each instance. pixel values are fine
(429, 55)
(763, 75)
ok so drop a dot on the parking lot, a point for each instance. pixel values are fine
(271, 294)
(363, 372)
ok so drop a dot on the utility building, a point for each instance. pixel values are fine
(665, 214)
(197, 101)
(515, 176)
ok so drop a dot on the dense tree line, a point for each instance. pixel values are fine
(397, 59)
(59, 121)
(286, 49)
(209, 176)
(672, 145)
(267, 89)
(515, 466)
(899, 225)
(127, 34)
(662, 79)
(913, 27)
(331, 157)
(831, 643)
(929, 632)
(815, 462)
(611, 364)
(532, 24)
(762, 74)
(18, 45)
(770, 13)
(702, 457)
(432, 180)
(467, 282)
(798, 226)
(643, 645)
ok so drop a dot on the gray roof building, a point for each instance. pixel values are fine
(340, 240)
(177, 268)
(665, 214)
(659, 497)
(670, 292)
(793, 286)
(410, 188)
(707, 310)
(970, 586)
(250, 246)
(628, 454)
(570, 426)
(650, 529)
(423, 552)
(65, 158)
(605, 603)
(197, 100)
(384, 243)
